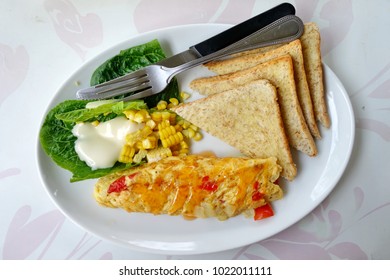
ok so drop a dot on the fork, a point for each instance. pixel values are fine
(154, 78)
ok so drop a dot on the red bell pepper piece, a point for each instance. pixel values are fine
(118, 185)
(208, 185)
(263, 212)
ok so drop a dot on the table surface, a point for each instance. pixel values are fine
(43, 42)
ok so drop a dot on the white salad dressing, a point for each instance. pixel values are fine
(100, 146)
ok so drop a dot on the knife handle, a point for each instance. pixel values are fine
(243, 29)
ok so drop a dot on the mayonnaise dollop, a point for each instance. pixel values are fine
(100, 146)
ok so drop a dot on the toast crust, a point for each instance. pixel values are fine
(311, 48)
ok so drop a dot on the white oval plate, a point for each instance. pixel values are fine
(173, 235)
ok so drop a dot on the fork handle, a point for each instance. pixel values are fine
(242, 30)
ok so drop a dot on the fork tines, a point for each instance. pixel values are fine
(133, 82)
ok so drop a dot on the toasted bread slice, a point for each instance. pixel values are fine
(279, 72)
(294, 49)
(246, 117)
(311, 48)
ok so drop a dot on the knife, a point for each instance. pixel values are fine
(230, 36)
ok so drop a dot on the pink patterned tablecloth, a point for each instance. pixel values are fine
(43, 42)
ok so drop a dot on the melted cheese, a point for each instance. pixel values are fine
(178, 185)
(100, 146)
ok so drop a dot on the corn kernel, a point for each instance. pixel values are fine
(157, 154)
(198, 136)
(156, 116)
(186, 124)
(174, 101)
(140, 156)
(149, 143)
(172, 118)
(183, 145)
(184, 95)
(185, 133)
(172, 140)
(141, 116)
(175, 147)
(191, 133)
(95, 123)
(194, 127)
(151, 123)
(165, 115)
(138, 135)
(161, 105)
(127, 153)
(166, 132)
(163, 124)
(130, 114)
(138, 145)
(178, 127)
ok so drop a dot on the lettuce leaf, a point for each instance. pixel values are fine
(58, 141)
(91, 114)
(132, 59)
(127, 61)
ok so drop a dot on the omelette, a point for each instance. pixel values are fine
(193, 186)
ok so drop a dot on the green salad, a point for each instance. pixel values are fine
(56, 136)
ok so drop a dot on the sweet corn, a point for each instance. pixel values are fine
(166, 115)
(186, 124)
(178, 127)
(172, 118)
(184, 95)
(198, 137)
(149, 142)
(183, 148)
(127, 153)
(162, 105)
(174, 101)
(141, 116)
(175, 148)
(194, 127)
(166, 132)
(191, 132)
(138, 135)
(95, 123)
(157, 154)
(140, 156)
(184, 145)
(156, 116)
(151, 123)
(130, 114)
(163, 124)
(172, 140)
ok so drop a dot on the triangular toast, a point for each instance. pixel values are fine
(246, 117)
(279, 72)
(311, 48)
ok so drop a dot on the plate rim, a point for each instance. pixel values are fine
(71, 78)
